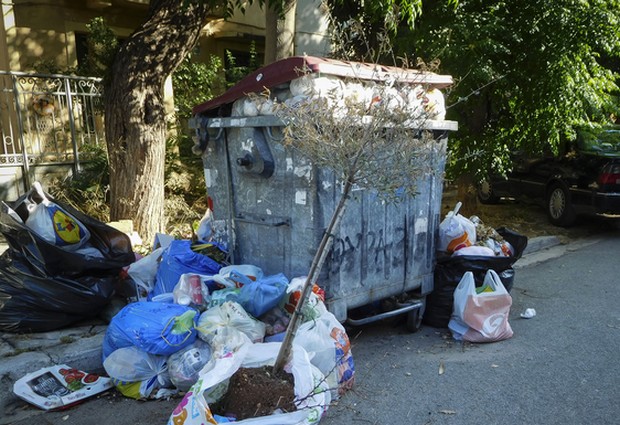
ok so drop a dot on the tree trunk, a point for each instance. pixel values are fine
(466, 189)
(279, 30)
(135, 118)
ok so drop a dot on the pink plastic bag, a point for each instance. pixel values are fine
(481, 317)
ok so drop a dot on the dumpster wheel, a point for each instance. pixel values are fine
(414, 317)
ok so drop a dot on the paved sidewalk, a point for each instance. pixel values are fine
(80, 346)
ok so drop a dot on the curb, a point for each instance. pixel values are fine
(21, 354)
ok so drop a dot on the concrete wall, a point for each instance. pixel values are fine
(35, 31)
(311, 32)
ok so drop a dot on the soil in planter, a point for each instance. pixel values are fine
(254, 392)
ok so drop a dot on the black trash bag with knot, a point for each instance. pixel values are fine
(450, 269)
(32, 301)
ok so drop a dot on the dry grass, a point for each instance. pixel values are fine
(530, 220)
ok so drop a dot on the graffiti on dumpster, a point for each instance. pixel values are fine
(374, 252)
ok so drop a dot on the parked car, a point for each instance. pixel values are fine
(585, 180)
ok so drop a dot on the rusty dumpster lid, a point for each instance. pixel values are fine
(288, 69)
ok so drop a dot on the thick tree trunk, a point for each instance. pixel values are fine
(135, 112)
(279, 31)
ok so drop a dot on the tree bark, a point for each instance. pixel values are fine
(135, 112)
(279, 30)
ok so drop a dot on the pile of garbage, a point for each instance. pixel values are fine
(61, 267)
(416, 100)
(199, 320)
(193, 319)
(468, 245)
(469, 236)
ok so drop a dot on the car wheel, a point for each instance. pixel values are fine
(486, 194)
(560, 210)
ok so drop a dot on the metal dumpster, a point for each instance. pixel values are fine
(275, 204)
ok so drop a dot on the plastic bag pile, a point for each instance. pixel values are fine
(61, 267)
(467, 245)
(459, 235)
(199, 320)
(415, 100)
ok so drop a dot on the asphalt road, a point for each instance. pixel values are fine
(561, 367)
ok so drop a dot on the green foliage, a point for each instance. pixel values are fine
(102, 47)
(195, 82)
(526, 72)
(234, 72)
(49, 66)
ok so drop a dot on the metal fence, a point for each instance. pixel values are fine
(49, 124)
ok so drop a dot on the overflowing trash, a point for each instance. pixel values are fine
(191, 322)
(198, 319)
(468, 245)
(236, 307)
(62, 266)
(469, 236)
(413, 99)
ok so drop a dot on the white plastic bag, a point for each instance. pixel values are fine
(481, 316)
(132, 364)
(205, 227)
(327, 342)
(311, 395)
(434, 104)
(143, 272)
(54, 224)
(229, 314)
(184, 365)
(313, 307)
(137, 374)
(456, 231)
(236, 276)
(476, 250)
(192, 290)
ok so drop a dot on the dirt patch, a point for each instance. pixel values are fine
(254, 392)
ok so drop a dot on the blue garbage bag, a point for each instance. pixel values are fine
(177, 259)
(156, 328)
(260, 296)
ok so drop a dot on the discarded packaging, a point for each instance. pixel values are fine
(528, 313)
(60, 386)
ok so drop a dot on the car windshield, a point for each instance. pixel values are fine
(603, 142)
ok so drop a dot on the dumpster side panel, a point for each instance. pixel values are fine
(383, 250)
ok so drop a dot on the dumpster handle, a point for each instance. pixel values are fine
(405, 309)
(270, 134)
(219, 133)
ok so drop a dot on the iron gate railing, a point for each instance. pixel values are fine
(50, 120)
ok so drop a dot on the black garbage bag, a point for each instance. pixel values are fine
(450, 269)
(32, 301)
(113, 246)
